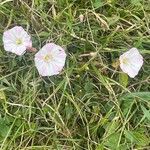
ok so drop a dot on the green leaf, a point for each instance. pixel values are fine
(88, 86)
(4, 128)
(138, 138)
(141, 95)
(68, 110)
(129, 136)
(146, 112)
(123, 79)
(112, 141)
(111, 127)
(100, 147)
(136, 2)
(112, 20)
(98, 4)
(128, 100)
(126, 105)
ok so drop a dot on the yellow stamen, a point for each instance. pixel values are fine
(18, 41)
(125, 61)
(47, 58)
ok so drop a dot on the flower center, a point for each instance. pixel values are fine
(125, 61)
(48, 57)
(18, 41)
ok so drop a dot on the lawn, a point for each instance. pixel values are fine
(91, 104)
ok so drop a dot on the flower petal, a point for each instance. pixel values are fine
(129, 69)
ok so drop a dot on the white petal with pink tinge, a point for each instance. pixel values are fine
(131, 62)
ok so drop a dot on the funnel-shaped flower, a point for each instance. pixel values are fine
(16, 40)
(50, 60)
(131, 62)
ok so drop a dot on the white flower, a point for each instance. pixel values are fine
(131, 62)
(50, 60)
(16, 40)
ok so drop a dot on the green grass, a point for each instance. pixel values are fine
(91, 105)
